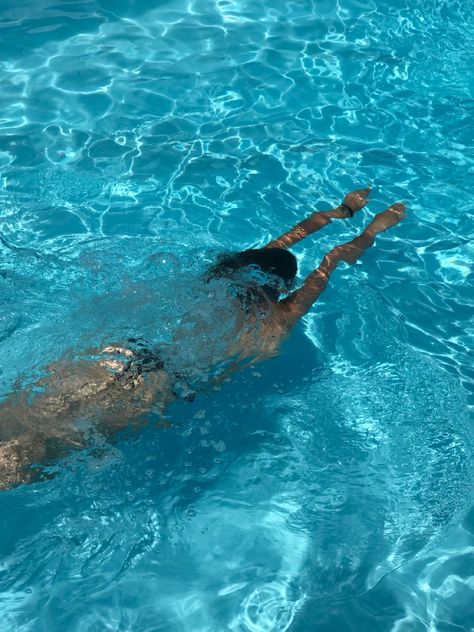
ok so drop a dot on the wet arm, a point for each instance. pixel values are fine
(300, 301)
(353, 202)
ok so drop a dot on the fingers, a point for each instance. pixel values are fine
(399, 208)
(359, 197)
(362, 193)
(392, 216)
(365, 193)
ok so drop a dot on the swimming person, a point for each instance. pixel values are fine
(105, 391)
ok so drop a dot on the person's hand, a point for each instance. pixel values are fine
(392, 216)
(357, 199)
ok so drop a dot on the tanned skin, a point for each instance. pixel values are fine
(300, 301)
(79, 398)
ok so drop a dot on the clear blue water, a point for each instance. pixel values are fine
(329, 489)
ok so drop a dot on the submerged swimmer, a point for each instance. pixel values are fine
(111, 389)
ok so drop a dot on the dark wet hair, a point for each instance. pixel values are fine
(276, 262)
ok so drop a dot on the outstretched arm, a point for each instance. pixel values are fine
(300, 301)
(353, 202)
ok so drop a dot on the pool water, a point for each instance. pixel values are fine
(330, 488)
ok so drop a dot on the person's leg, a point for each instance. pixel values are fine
(300, 301)
(353, 202)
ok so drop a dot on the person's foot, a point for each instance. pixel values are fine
(392, 216)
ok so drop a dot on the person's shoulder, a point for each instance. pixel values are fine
(286, 312)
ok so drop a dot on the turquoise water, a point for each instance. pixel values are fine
(329, 489)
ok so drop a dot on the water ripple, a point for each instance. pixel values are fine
(131, 134)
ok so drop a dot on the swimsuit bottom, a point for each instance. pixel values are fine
(146, 359)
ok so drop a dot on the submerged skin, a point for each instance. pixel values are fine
(81, 398)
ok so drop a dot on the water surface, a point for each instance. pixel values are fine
(330, 488)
